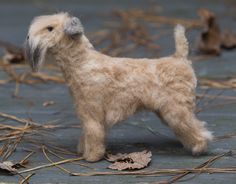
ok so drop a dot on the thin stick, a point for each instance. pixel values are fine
(44, 77)
(4, 147)
(222, 84)
(51, 165)
(214, 106)
(16, 92)
(211, 99)
(58, 166)
(26, 157)
(20, 120)
(16, 143)
(201, 96)
(160, 171)
(143, 173)
(203, 165)
(226, 136)
(9, 152)
(220, 96)
(26, 179)
(58, 156)
(17, 88)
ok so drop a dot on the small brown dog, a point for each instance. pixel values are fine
(107, 89)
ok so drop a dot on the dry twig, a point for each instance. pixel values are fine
(26, 179)
(142, 173)
(221, 84)
(201, 166)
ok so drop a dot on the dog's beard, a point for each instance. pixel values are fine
(35, 53)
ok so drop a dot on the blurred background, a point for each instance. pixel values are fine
(136, 28)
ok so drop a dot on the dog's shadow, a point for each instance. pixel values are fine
(158, 145)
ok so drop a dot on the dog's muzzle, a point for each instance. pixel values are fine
(34, 54)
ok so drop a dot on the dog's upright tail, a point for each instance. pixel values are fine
(181, 43)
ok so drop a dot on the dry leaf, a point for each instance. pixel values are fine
(20, 164)
(7, 167)
(131, 161)
(210, 39)
(48, 103)
(228, 40)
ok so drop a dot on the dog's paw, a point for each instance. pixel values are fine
(199, 148)
(201, 145)
(93, 157)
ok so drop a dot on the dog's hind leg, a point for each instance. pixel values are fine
(188, 129)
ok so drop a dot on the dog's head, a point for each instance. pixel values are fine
(46, 32)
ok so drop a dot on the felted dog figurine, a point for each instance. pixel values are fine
(107, 89)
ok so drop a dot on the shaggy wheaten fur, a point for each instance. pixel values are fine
(107, 89)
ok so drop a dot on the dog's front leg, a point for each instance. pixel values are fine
(93, 140)
(80, 146)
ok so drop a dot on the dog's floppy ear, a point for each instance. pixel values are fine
(73, 27)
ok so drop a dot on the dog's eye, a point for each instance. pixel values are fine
(50, 28)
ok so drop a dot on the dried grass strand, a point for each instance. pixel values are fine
(143, 173)
(26, 179)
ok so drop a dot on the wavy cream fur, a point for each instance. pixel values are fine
(106, 90)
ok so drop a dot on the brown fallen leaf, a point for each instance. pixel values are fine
(20, 164)
(48, 103)
(228, 40)
(7, 167)
(131, 161)
(210, 38)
